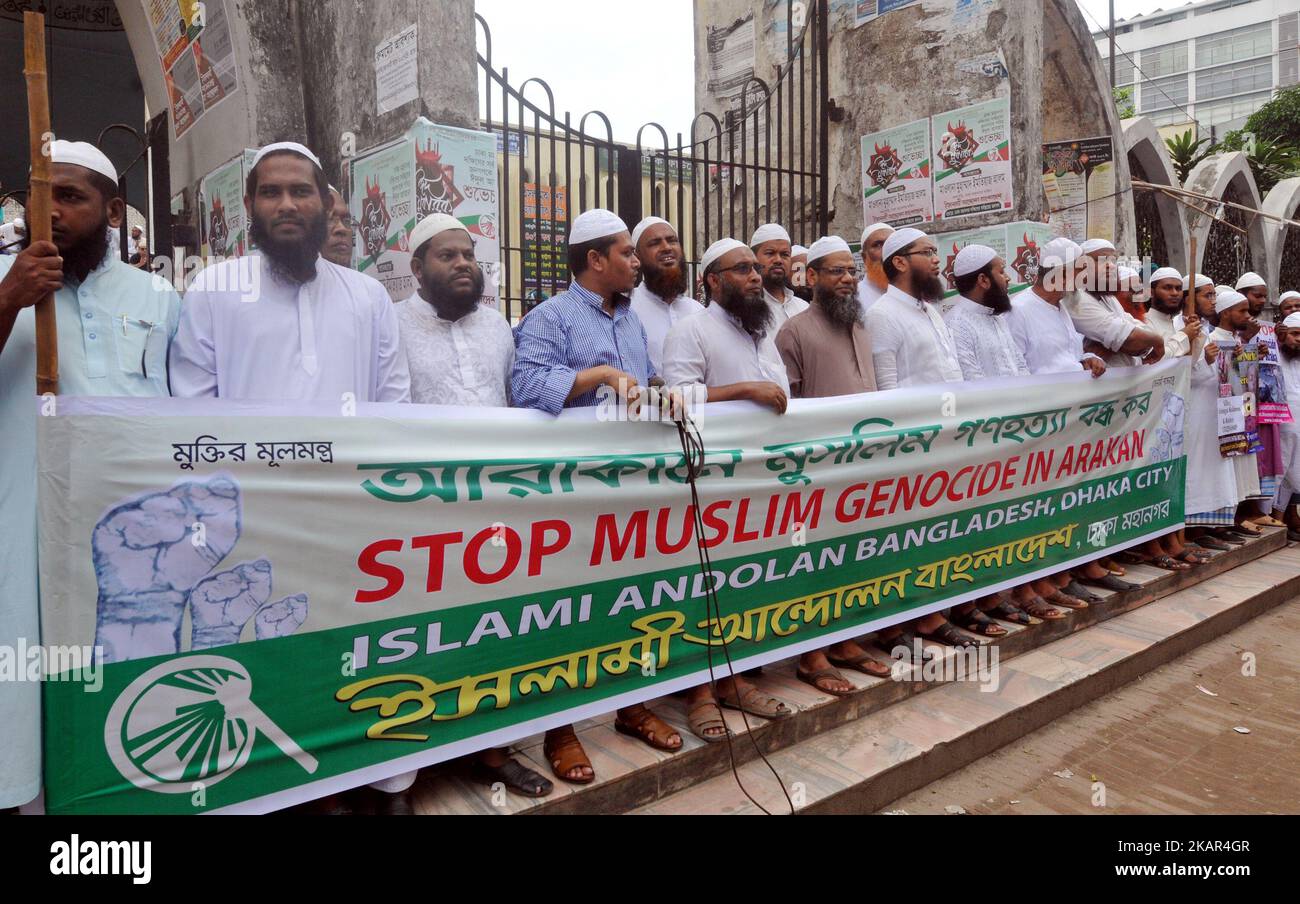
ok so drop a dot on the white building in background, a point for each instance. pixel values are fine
(1214, 62)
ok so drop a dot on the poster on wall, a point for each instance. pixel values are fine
(731, 51)
(396, 72)
(950, 243)
(1025, 240)
(196, 51)
(383, 208)
(1079, 182)
(896, 186)
(972, 160)
(221, 206)
(545, 256)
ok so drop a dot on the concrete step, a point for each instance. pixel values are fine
(631, 775)
(864, 765)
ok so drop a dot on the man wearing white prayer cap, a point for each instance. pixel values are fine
(874, 283)
(283, 323)
(1288, 494)
(771, 246)
(1253, 286)
(583, 348)
(1098, 314)
(827, 352)
(662, 298)
(1165, 316)
(1233, 318)
(1202, 297)
(114, 323)
(1040, 323)
(1260, 337)
(1288, 303)
(798, 280)
(727, 354)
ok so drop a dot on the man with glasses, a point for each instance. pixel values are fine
(338, 232)
(772, 251)
(827, 352)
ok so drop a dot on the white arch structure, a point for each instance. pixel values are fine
(1214, 177)
(1282, 201)
(1143, 143)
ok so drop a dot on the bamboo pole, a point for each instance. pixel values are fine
(39, 197)
(1190, 303)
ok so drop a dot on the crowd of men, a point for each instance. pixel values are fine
(777, 322)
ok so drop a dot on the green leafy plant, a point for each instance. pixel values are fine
(1185, 153)
(1279, 119)
(1124, 102)
(1270, 161)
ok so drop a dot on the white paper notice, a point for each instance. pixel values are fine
(1232, 415)
(397, 78)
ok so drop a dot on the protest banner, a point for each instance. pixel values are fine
(291, 600)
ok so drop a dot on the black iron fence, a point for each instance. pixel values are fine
(764, 159)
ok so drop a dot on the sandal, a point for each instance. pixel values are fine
(864, 664)
(1194, 558)
(1132, 558)
(1266, 521)
(644, 724)
(700, 722)
(947, 634)
(1080, 592)
(825, 675)
(1038, 608)
(515, 776)
(564, 752)
(976, 622)
(1064, 599)
(1114, 568)
(1208, 542)
(755, 702)
(1169, 563)
(906, 638)
(1007, 612)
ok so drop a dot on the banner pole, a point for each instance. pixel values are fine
(39, 196)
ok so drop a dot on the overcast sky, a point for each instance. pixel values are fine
(634, 62)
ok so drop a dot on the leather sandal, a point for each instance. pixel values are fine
(1008, 612)
(976, 622)
(864, 664)
(1080, 592)
(948, 634)
(1065, 600)
(644, 724)
(515, 776)
(756, 703)
(564, 752)
(706, 715)
(825, 675)
(1038, 608)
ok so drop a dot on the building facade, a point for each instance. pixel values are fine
(1211, 63)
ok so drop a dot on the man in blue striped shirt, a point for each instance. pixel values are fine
(572, 351)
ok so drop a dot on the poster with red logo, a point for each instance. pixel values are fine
(972, 160)
(896, 187)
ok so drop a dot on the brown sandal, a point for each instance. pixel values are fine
(864, 664)
(564, 752)
(825, 675)
(700, 722)
(755, 703)
(1037, 607)
(1065, 601)
(644, 724)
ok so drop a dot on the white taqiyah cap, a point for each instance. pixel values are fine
(1092, 246)
(83, 153)
(646, 224)
(1292, 321)
(873, 229)
(798, 251)
(291, 146)
(827, 244)
(972, 258)
(899, 240)
(595, 224)
(1286, 296)
(1129, 277)
(1059, 252)
(1164, 273)
(768, 232)
(1225, 300)
(1250, 281)
(717, 250)
(1201, 282)
(434, 224)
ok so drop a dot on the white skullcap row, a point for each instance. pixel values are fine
(434, 224)
(1129, 277)
(827, 244)
(1250, 281)
(1201, 282)
(1059, 252)
(291, 146)
(768, 232)
(1293, 321)
(873, 229)
(899, 240)
(1229, 299)
(1164, 273)
(1092, 246)
(798, 251)
(595, 224)
(83, 153)
(1285, 295)
(972, 258)
(717, 250)
(646, 224)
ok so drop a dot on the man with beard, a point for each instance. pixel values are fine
(874, 283)
(725, 354)
(114, 325)
(660, 300)
(826, 352)
(771, 246)
(340, 325)
(460, 353)
(338, 232)
(1098, 315)
(1288, 494)
(1260, 338)
(575, 350)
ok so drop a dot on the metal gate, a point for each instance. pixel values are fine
(764, 160)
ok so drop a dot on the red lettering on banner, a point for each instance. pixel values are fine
(514, 549)
(807, 515)
(436, 544)
(662, 543)
(368, 562)
(539, 549)
(607, 533)
(712, 520)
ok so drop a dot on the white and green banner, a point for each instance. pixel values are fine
(290, 600)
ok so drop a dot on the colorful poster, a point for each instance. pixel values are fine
(1079, 182)
(382, 204)
(545, 255)
(221, 208)
(396, 71)
(896, 186)
(1025, 239)
(972, 160)
(288, 601)
(196, 51)
(950, 243)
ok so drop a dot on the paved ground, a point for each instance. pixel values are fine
(1158, 745)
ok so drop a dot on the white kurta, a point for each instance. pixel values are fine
(910, 345)
(868, 294)
(659, 317)
(712, 350)
(1103, 319)
(1211, 478)
(1290, 484)
(984, 344)
(783, 308)
(456, 362)
(1176, 342)
(246, 334)
(1246, 467)
(1046, 335)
